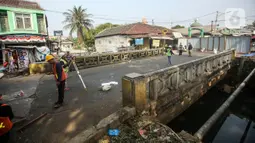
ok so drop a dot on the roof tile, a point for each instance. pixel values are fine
(133, 29)
(21, 4)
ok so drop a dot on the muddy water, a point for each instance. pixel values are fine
(237, 124)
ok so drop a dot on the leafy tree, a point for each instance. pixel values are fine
(178, 26)
(90, 34)
(77, 20)
(253, 23)
(104, 26)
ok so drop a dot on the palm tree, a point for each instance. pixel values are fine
(77, 20)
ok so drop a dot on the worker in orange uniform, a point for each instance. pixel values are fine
(6, 115)
(60, 77)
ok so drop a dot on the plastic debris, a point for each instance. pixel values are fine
(227, 88)
(142, 133)
(1, 75)
(21, 93)
(149, 132)
(110, 83)
(215, 51)
(106, 87)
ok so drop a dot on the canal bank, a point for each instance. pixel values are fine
(236, 124)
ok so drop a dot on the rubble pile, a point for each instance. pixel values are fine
(147, 131)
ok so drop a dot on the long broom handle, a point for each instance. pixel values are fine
(77, 70)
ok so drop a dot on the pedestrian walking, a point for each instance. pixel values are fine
(180, 49)
(65, 65)
(169, 53)
(60, 77)
(6, 115)
(190, 47)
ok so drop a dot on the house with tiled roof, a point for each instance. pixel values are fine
(139, 35)
(22, 27)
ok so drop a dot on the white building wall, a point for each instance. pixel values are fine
(67, 46)
(111, 43)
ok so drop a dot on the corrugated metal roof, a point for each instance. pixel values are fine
(21, 4)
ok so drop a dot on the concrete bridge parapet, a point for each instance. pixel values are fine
(84, 62)
(168, 92)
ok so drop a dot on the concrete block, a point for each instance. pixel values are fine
(126, 113)
(40, 67)
(130, 110)
(106, 122)
(83, 136)
(97, 136)
(133, 75)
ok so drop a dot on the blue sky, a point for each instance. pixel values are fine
(129, 11)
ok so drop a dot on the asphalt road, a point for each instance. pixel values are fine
(82, 108)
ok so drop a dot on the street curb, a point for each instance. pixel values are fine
(96, 132)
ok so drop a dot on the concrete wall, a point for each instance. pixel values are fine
(168, 92)
(240, 43)
(67, 46)
(101, 59)
(111, 43)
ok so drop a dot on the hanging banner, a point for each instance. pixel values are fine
(22, 38)
(155, 43)
(139, 41)
(23, 58)
(41, 53)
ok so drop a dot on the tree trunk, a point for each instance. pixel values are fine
(79, 36)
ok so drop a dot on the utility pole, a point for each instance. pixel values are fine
(216, 20)
(171, 25)
(211, 26)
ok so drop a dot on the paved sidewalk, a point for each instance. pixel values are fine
(82, 108)
(10, 88)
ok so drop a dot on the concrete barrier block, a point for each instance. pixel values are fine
(108, 121)
(42, 67)
(84, 135)
(127, 113)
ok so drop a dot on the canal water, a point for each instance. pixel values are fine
(237, 125)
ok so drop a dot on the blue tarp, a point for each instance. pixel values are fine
(2, 69)
(139, 41)
(249, 55)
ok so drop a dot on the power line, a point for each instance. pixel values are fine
(98, 16)
(194, 18)
(116, 19)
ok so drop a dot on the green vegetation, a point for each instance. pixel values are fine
(77, 20)
(178, 26)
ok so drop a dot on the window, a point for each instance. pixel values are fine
(23, 21)
(4, 26)
(40, 23)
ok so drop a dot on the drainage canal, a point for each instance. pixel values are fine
(236, 125)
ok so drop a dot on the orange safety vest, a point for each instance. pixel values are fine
(5, 124)
(56, 75)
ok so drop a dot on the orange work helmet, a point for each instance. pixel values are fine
(49, 57)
